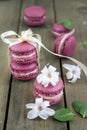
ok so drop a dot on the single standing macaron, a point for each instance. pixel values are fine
(65, 44)
(48, 85)
(34, 16)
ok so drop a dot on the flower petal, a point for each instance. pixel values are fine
(38, 101)
(43, 79)
(33, 114)
(73, 80)
(51, 68)
(78, 72)
(31, 105)
(43, 115)
(40, 78)
(54, 81)
(69, 75)
(49, 111)
(45, 104)
(45, 70)
(69, 67)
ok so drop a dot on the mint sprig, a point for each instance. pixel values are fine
(85, 44)
(80, 107)
(68, 24)
(63, 115)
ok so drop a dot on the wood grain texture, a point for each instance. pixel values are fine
(22, 92)
(8, 20)
(75, 11)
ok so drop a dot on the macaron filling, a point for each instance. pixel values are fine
(24, 73)
(35, 19)
(23, 56)
(50, 96)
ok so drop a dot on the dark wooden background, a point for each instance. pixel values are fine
(14, 94)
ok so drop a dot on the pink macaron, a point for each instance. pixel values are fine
(59, 29)
(65, 44)
(23, 53)
(24, 71)
(51, 93)
(34, 16)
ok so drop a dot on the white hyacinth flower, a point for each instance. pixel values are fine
(39, 108)
(48, 75)
(73, 73)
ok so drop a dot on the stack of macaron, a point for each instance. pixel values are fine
(24, 61)
(48, 85)
(34, 16)
(65, 42)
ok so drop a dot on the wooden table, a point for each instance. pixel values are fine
(14, 94)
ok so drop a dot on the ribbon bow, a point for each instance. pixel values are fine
(12, 38)
(35, 40)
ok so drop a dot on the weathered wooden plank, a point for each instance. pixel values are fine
(22, 92)
(76, 12)
(8, 18)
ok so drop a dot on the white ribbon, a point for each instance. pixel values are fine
(35, 39)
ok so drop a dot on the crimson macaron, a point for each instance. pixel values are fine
(59, 29)
(51, 92)
(65, 44)
(35, 15)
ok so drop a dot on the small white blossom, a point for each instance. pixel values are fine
(73, 73)
(39, 108)
(48, 75)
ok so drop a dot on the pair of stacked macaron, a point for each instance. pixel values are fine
(24, 61)
(65, 42)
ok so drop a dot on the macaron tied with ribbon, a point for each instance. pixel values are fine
(65, 44)
(35, 15)
(24, 61)
(24, 53)
(48, 85)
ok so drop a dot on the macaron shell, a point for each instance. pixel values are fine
(49, 89)
(22, 48)
(31, 22)
(51, 101)
(59, 29)
(34, 11)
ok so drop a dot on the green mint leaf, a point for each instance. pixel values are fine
(80, 107)
(68, 24)
(77, 105)
(85, 44)
(83, 111)
(63, 115)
